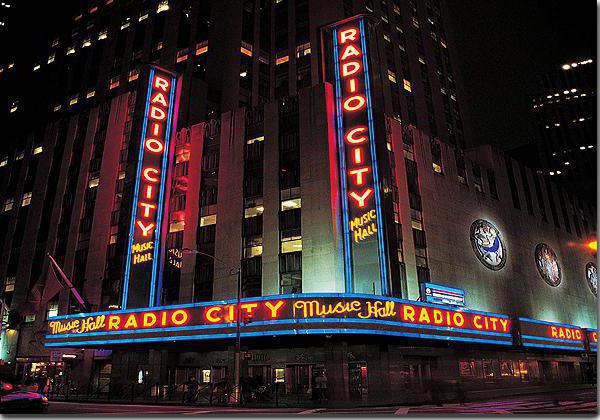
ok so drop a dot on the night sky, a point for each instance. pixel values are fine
(504, 46)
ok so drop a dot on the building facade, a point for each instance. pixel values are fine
(371, 244)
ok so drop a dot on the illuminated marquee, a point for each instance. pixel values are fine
(281, 315)
(536, 333)
(592, 339)
(144, 256)
(361, 218)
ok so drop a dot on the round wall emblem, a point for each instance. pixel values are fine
(488, 244)
(592, 277)
(547, 264)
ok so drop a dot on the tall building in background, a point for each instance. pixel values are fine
(565, 118)
(292, 173)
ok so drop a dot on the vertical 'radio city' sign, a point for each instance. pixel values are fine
(362, 224)
(143, 260)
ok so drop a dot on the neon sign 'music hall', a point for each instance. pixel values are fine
(143, 264)
(364, 257)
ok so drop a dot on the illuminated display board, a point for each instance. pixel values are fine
(444, 295)
(280, 315)
(591, 339)
(360, 196)
(543, 334)
(143, 264)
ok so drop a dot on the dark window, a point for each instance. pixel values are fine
(525, 181)
(491, 176)
(512, 183)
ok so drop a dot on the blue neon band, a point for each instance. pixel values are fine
(548, 346)
(280, 332)
(382, 254)
(347, 251)
(135, 195)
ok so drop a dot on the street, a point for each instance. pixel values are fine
(570, 402)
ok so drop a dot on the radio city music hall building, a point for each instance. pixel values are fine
(287, 144)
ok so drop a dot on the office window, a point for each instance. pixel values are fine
(294, 203)
(9, 285)
(436, 156)
(208, 220)
(253, 247)
(4, 161)
(291, 244)
(37, 150)
(26, 199)
(52, 309)
(491, 176)
(477, 180)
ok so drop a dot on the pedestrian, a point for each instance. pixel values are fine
(192, 390)
(461, 393)
(41, 384)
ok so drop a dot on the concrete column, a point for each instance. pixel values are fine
(336, 366)
(321, 262)
(229, 204)
(192, 210)
(270, 256)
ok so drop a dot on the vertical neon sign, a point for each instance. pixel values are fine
(143, 263)
(362, 220)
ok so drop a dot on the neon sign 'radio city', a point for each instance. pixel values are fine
(362, 220)
(143, 260)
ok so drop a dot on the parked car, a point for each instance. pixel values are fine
(16, 401)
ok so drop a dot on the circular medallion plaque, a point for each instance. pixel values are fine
(488, 244)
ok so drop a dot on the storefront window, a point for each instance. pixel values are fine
(206, 376)
(506, 368)
(488, 370)
(467, 368)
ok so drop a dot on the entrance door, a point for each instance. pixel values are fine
(298, 379)
(357, 381)
(416, 374)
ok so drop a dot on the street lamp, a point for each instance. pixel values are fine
(236, 358)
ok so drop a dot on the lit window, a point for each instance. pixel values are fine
(20, 155)
(407, 85)
(253, 248)
(86, 43)
(291, 244)
(282, 60)
(133, 75)
(4, 161)
(201, 47)
(182, 55)
(302, 50)
(73, 100)
(421, 60)
(246, 49)
(208, 220)
(177, 226)
(392, 76)
(52, 309)
(125, 24)
(29, 318)
(163, 6)
(254, 211)
(51, 58)
(37, 150)
(90, 94)
(26, 199)
(143, 16)
(37, 67)
(387, 38)
(9, 285)
(437, 168)
(93, 9)
(255, 139)
(244, 74)
(93, 182)
(8, 204)
(206, 376)
(294, 203)
(103, 35)
(10, 65)
(71, 50)
(114, 82)
(57, 107)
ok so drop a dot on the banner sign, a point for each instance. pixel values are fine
(591, 339)
(444, 295)
(543, 334)
(280, 315)
(360, 195)
(143, 264)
